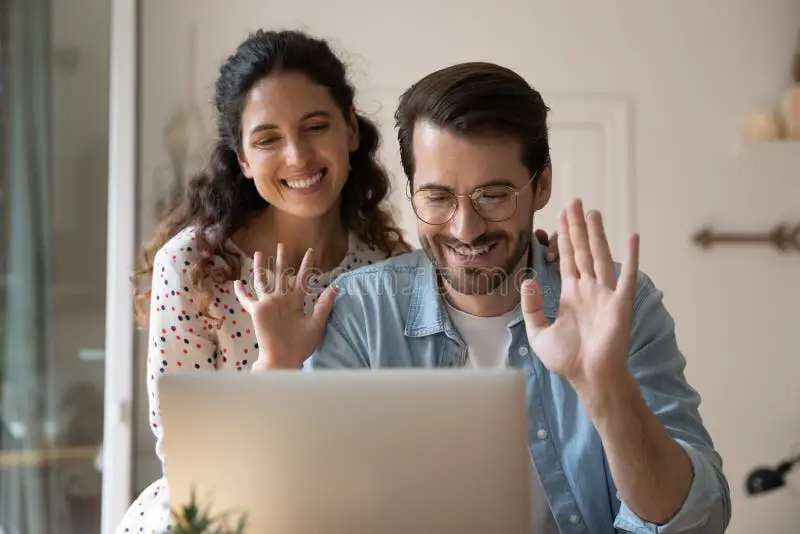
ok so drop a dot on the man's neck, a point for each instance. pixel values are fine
(502, 300)
(325, 235)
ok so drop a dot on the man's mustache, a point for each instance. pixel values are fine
(484, 239)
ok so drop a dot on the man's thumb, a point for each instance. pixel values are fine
(533, 307)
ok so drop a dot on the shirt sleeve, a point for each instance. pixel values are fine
(338, 348)
(658, 366)
(180, 338)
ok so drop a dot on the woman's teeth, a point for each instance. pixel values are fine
(305, 183)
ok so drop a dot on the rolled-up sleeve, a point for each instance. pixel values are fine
(706, 509)
(658, 365)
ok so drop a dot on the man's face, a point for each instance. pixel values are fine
(474, 254)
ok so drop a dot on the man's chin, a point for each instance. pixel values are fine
(474, 280)
(484, 275)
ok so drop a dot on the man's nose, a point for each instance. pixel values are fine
(466, 224)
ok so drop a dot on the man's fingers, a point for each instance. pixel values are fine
(630, 270)
(533, 308)
(579, 239)
(601, 252)
(567, 254)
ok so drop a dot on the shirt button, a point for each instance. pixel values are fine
(574, 519)
(541, 434)
(523, 351)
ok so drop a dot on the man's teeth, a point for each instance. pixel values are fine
(306, 183)
(473, 251)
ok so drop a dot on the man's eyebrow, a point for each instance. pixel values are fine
(440, 187)
(435, 187)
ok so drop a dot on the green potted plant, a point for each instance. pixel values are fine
(190, 519)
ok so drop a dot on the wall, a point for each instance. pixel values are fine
(693, 71)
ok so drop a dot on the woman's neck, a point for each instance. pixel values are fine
(325, 235)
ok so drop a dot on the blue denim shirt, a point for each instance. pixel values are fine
(391, 314)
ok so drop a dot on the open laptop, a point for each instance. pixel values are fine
(352, 452)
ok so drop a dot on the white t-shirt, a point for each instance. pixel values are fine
(488, 340)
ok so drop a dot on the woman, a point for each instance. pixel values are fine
(294, 175)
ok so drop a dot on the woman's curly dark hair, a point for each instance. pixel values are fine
(221, 200)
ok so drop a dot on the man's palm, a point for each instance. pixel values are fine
(591, 334)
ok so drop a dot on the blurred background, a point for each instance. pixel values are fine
(670, 117)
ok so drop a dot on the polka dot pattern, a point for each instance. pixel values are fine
(182, 339)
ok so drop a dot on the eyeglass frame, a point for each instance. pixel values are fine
(514, 192)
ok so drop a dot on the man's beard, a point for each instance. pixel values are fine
(476, 281)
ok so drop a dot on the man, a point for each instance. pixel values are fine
(615, 436)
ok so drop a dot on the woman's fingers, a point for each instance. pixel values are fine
(281, 274)
(260, 276)
(245, 300)
(304, 273)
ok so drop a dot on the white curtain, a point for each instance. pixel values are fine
(26, 353)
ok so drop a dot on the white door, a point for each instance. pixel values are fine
(590, 151)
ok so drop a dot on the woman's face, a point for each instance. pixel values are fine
(296, 144)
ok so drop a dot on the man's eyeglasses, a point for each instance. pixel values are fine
(495, 203)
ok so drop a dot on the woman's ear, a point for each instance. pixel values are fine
(246, 170)
(353, 137)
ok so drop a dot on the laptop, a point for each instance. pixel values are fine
(352, 451)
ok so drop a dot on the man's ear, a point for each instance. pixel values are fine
(353, 134)
(544, 187)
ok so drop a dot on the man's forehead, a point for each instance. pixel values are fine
(448, 160)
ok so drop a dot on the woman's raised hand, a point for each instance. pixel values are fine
(286, 335)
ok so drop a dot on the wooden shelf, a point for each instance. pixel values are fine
(773, 142)
(41, 457)
(773, 148)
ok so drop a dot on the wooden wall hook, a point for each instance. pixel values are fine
(783, 237)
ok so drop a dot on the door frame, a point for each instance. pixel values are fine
(117, 454)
